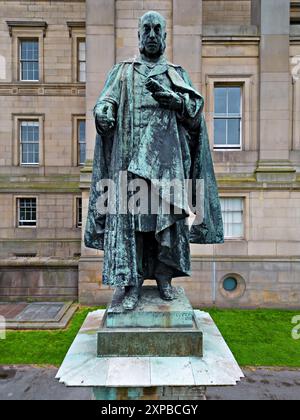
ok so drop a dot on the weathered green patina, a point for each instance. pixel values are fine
(150, 123)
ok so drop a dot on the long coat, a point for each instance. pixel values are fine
(169, 150)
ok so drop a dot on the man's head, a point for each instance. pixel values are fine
(152, 35)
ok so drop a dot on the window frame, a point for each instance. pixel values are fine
(80, 120)
(249, 128)
(228, 117)
(17, 206)
(246, 215)
(235, 238)
(76, 33)
(21, 142)
(20, 41)
(78, 224)
(18, 31)
(296, 108)
(17, 119)
(75, 124)
(78, 71)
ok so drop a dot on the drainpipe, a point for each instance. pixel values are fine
(214, 282)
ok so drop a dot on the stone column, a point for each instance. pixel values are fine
(187, 37)
(273, 19)
(100, 42)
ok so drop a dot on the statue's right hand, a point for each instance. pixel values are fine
(105, 117)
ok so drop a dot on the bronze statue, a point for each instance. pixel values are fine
(150, 124)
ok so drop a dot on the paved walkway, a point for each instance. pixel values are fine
(31, 383)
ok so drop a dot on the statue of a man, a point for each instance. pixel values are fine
(150, 123)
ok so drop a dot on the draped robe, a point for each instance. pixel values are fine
(171, 146)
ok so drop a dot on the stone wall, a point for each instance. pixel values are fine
(127, 15)
(33, 281)
(55, 101)
(228, 12)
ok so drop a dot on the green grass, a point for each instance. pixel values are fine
(256, 338)
(259, 337)
(40, 347)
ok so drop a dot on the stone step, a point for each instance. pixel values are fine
(150, 342)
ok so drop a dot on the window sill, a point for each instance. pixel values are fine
(229, 149)
(235, 240)
(26, 227)
(29, 81)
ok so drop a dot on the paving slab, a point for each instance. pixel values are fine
(37, 315)
(11, 310)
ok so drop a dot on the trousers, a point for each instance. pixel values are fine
(148, 251)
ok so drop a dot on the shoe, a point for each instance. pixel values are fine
(131, 298)
(166, 290)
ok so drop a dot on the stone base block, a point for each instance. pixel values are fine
(154, 342)
(156, 328)
(151, 312)
(161, 393)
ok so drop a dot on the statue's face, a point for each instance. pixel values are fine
(152, 35)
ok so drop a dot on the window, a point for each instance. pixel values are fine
(233, 217)
(77, 33)
(29, 142)
(29, 60)
(230, 284)
(227, 117)
(27, 48)
(79, 212)
(81, 56)
(27, 212)
(81, 147)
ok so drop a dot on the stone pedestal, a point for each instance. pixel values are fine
(149, 378)
(161, 393)
(152, 311)
(156, 328)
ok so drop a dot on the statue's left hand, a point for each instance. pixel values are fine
(169, 100)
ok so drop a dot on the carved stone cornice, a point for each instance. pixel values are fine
(42, 89)
(75, 25)
(21, 24)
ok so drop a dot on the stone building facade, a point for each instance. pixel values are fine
(244, 56)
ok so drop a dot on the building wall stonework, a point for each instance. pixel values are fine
(216, 12)
(250, 44)
(33, 281)
(54, 101)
